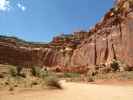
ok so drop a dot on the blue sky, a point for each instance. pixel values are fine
(41, 20)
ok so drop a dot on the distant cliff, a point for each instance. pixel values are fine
(109, 39)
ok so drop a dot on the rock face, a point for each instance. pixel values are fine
(110, 39)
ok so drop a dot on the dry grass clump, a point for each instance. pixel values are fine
(15, 71)
(38, 72)
(48, 78)
(12, 71)
(35, 71)
(37, 78)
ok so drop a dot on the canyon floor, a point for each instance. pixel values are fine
(75, 91)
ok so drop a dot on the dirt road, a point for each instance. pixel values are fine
(75, 91)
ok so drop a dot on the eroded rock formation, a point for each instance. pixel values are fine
(110, 39)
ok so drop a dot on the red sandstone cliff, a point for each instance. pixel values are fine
(110, 39)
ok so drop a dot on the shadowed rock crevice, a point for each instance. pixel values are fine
(107, 50)
(114, 53)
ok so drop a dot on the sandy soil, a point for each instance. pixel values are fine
(75, 91)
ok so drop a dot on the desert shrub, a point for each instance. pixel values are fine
(38, 72)
(44, 74)
(53, 81)
(35, 71)
(15, 71)
(71, 75)
(114, 65)
(10, 82)
(19, 69)
(12, 71)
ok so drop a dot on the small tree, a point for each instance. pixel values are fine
(115, 65)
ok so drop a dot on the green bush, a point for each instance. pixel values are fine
(44, 74)
(115, 65)
(16, 71)
(12, 71)
(35, 71)
(38, 72)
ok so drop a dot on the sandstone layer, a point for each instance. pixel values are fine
(109, 39)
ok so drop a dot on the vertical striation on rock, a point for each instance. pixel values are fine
(110, 39)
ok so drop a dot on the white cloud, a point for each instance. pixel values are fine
(23, 8)
(4, 5)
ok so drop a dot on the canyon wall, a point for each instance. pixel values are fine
(110, 39)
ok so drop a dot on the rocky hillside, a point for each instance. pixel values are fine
(109, 39)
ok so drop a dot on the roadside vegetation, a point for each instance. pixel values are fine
(12, 77)
(16, 78)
